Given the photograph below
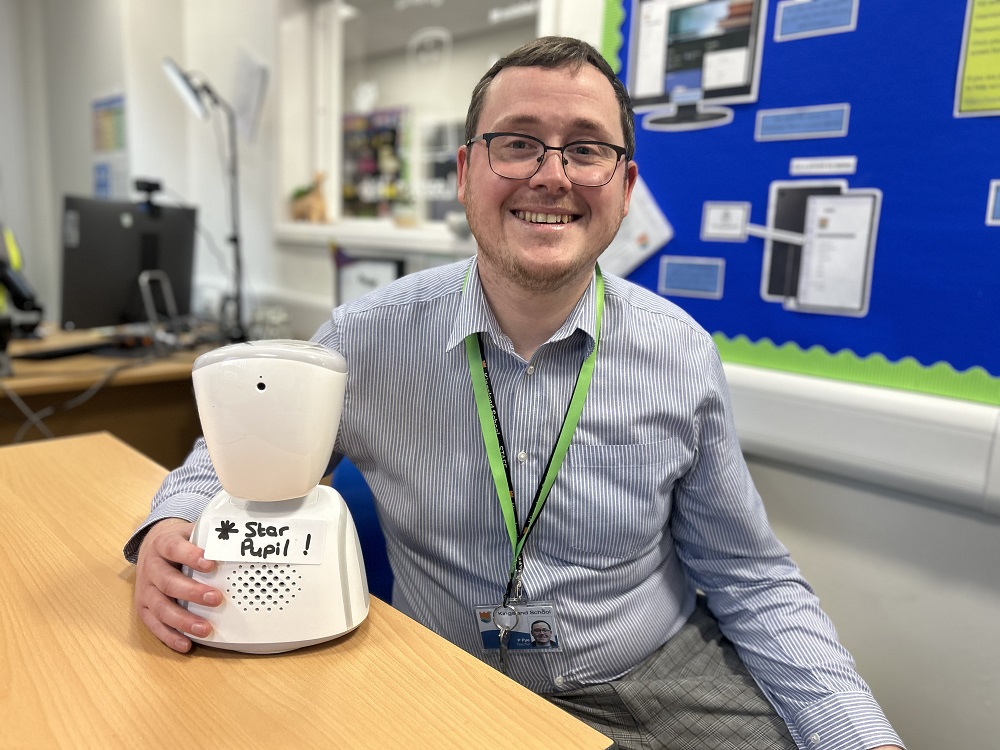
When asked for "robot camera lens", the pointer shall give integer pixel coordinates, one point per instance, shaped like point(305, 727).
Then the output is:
point(261, 386)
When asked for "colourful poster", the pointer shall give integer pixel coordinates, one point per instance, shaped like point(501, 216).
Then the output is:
point(977, 91)
point(110, 159)
point(375, 179)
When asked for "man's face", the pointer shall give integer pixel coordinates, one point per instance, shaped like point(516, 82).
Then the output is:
point(512, 219)
point(541, 632)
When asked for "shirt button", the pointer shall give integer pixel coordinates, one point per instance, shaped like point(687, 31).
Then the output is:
point(531, 370)
point(522, 457)
point(814, 738)
point(560, 681)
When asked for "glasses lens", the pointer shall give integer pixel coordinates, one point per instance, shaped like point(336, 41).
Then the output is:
point(515, 156)
point(589, 163)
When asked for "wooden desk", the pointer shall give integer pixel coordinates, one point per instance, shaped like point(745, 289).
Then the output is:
point(149, 403)
point(78, 669)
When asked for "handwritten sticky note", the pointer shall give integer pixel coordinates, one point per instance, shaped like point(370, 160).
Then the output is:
point(234, 538)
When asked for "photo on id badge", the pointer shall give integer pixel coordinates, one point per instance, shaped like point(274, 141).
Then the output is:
point(536, 628)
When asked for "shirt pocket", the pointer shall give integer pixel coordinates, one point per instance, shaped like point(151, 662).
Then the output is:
point(611, 502)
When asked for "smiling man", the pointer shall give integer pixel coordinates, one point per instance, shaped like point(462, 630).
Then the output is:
point(563, 190)
point(543, 441)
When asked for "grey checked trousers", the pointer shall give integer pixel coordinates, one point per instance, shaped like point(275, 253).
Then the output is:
point(692, 694)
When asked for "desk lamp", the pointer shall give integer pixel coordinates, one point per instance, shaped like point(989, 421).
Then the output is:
point(289, 560)
point(196, 92)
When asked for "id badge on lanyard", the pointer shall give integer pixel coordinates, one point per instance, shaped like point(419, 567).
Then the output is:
point(529, 627)
point(517, 624)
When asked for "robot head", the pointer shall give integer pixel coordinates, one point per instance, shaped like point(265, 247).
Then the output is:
point(270, 411)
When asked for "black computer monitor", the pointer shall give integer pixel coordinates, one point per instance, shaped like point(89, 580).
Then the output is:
point(108, 244)
point(688, 57)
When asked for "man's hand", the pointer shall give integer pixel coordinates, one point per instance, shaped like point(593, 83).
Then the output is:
point(159, 581)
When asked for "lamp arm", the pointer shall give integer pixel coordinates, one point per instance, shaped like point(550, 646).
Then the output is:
point(238, 333)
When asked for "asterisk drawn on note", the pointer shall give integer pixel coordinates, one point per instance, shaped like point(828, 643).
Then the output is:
point(225, 529)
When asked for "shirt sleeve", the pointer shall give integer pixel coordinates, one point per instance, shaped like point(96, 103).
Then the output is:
point(184, 494)
point(755, 590)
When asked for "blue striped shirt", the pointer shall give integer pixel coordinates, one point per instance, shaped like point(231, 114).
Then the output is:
point(652, 503)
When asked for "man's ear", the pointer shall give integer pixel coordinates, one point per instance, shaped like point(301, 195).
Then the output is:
point(631, 175)
point(463, 169)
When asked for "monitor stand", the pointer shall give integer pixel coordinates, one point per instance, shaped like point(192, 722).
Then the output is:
point(688, 117)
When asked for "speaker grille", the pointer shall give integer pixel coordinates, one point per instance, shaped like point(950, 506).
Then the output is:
point(264, 588)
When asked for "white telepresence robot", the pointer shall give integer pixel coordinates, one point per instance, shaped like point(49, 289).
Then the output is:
point(289, 559)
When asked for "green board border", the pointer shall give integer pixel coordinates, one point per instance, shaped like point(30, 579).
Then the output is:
point(611, 33)
point(940, 379)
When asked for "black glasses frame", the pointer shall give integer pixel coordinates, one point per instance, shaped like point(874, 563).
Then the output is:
point(486, 138)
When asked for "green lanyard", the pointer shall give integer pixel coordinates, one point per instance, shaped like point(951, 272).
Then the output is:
point(496, 449)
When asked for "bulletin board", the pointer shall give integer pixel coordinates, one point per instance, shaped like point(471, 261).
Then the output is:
point(845, 223)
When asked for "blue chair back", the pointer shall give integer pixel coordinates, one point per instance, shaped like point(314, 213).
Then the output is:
point(347, 480)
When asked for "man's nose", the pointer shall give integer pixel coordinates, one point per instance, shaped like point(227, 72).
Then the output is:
point(551, 171)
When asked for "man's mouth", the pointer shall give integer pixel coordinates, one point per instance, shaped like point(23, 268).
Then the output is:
point(534, 217)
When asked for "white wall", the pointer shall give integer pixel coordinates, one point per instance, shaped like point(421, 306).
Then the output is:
point(914, 591)
point(14, 158)
point(45, 264)
point(157, 120)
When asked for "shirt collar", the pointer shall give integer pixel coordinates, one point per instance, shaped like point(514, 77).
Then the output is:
point(475, 316)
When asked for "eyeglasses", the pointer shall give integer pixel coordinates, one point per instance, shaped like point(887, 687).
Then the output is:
point(540, 630)
point(518, 157)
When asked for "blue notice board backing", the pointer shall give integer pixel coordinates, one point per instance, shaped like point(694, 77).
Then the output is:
point(867, 249)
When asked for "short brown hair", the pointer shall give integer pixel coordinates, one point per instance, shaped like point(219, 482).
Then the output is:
point(554, 52)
